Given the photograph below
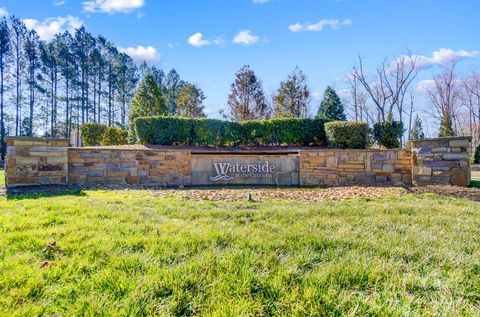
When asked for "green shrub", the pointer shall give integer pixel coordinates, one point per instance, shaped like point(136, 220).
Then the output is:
point(164, 130)
point(209, 132)
point(114, 136)
point(347, 134)
point(95, 134)
point(476, 158)
point(388, 133)
point(92, 133)
point(175, 130)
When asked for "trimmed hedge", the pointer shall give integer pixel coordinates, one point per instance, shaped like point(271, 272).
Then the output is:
point(114, 136)
point(347, 134)
point(208, 132)
point(388, 133)
point(95, 134)
point(92, 133)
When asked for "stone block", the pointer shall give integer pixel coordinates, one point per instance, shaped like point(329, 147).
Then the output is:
point(133, 180)
point(51, 167)
point(459, 143)
point(388, 168)
point(95, 174)
point(143, 173)
point(456, 156)
point(439, 150)
point(379, 157)
point(47, 149)
point(459, 177)
point(57, 160)
point(26, 160)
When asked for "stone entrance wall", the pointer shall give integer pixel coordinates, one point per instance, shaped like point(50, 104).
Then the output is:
point(353, 167)
point(33, 161)
point(441, 161)
point(129, 166)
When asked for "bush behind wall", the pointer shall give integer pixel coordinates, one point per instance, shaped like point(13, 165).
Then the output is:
point(212, 132)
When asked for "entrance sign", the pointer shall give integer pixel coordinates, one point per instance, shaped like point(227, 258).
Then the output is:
point(235, 169)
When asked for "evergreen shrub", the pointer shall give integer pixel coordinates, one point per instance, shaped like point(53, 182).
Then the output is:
point(347, 134)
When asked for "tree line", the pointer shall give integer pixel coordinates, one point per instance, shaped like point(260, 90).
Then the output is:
point(49, 88)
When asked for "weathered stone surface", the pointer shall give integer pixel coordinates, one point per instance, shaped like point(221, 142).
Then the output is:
point(449, 163)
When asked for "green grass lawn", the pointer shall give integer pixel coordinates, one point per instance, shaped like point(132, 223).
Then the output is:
point(131, 253)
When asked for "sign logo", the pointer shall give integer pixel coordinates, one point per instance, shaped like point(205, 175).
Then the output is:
point(254, 170)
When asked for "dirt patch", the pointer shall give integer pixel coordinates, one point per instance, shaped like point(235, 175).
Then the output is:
point(449, 191)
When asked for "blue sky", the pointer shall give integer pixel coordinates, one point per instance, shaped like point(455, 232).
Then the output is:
point(208, 40)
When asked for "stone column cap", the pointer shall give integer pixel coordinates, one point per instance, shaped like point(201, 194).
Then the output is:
point(27, 138)
point(450, 138)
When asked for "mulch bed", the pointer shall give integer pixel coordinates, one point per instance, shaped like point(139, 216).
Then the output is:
point(313, 195)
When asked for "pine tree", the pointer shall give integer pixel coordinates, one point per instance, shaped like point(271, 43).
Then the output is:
point(331, 108)
point(293, 96)
point(147, 101)
point(173, 86)
point(446, 128)
point(33, 64)
point(417, 130)
point(4, 55)
point(190, 102)
point(247, 99)
point(18, 31)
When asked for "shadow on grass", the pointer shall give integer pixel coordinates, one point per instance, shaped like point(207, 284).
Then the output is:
point(20, 193)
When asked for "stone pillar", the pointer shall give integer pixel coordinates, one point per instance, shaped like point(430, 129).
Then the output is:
point(441, 161)
point(36, 161)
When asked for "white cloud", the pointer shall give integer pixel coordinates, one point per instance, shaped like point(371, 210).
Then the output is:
point(50, 26)
point(443, 56)
point(197, 40)
point(260, 1)
point(319, 26)
point(59, 2)
point(245, 37)
point(112, 6)
point(3, 12)
point(141, 53)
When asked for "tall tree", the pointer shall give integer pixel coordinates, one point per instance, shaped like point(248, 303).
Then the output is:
point(147, 101)
point(416, 131)
point(68, 70)
point(389, 85)
point(4, 56)
point(33, 64)
point(331, 108)
point(444, 97)
point(18, 31)
point(293, 97)
point(173, 86)
point(127, 80)
point(49, 55)
point(247, 99)
point(190, 102)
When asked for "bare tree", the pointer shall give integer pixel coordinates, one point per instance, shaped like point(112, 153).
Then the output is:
point(389, 85)
point(445, 96)
point(471, 99)
point(357, 101)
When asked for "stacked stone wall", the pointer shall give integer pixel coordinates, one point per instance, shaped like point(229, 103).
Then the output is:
point(35, 161)
point(127, 166)
point(353, 167)
point(441, 161)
